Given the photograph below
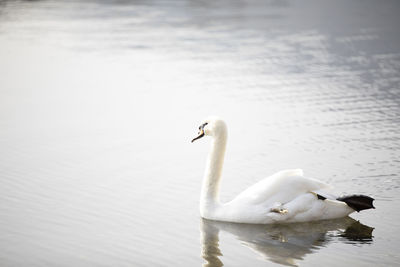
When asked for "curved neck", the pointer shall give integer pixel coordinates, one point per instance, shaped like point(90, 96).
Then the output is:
point(209, 200)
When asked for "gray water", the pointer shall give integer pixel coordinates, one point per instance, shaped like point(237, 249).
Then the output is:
point(99, 101)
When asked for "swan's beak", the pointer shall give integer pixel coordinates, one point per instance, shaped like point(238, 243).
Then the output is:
point(201, 134)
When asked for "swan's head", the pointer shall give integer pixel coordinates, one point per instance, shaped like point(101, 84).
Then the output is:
point(212, 126)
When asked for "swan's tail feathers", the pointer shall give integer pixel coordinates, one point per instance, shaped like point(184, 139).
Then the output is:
point(358, 202)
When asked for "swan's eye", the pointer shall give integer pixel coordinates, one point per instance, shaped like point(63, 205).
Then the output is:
point(201, 127)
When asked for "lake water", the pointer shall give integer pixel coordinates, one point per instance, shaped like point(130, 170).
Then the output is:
point(99, 101)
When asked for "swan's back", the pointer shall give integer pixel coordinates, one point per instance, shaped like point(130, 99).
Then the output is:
point(280, 187)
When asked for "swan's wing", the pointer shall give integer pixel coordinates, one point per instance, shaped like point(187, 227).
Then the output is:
point(280, 187)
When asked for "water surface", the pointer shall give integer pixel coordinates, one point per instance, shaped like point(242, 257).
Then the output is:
point(100, 99)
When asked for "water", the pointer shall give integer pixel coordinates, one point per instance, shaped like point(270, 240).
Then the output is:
point(100, 99)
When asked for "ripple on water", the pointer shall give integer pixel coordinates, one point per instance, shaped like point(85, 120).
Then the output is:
point(98, 98)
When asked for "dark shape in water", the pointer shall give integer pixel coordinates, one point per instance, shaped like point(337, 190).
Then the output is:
point(358, 233)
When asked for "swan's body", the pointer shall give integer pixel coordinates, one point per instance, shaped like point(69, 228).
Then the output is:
point(286, 196)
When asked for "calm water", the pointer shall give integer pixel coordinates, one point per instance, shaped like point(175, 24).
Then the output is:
point(100, 99)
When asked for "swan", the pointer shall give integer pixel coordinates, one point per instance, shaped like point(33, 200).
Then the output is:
point(284, 197)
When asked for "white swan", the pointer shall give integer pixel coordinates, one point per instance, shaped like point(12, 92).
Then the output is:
point(286, 196)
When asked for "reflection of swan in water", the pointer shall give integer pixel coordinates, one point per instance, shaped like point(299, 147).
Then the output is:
point(283, 244)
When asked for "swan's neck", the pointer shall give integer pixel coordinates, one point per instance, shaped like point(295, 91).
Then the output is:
point(209, 200)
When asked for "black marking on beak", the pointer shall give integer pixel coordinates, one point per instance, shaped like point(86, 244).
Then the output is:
point(201, 132)
point(198, 137)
